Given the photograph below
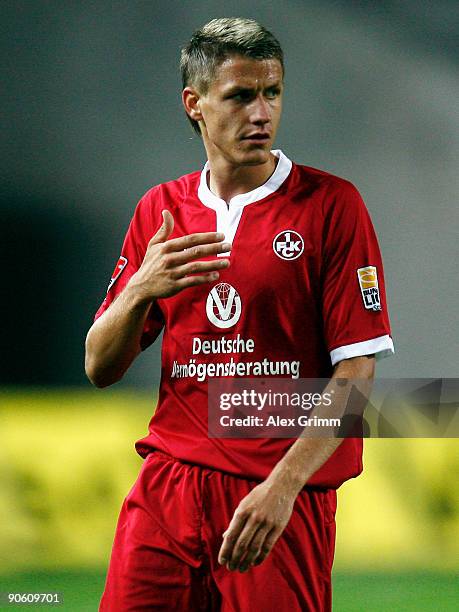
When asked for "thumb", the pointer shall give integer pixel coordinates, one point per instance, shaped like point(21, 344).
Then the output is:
point(165, 230)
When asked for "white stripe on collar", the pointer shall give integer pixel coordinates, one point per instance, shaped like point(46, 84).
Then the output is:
point(284, 165)
point(228, 217)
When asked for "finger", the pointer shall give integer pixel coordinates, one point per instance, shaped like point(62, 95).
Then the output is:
point(192, 240)
point(267, 545)
point(254, 548)
point(198, 252)
point(193, 281)
point(197, 267)
point(165, 230)
point(243, 542)
point(231, 536)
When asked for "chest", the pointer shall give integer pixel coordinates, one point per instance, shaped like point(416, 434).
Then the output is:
point(275, 260)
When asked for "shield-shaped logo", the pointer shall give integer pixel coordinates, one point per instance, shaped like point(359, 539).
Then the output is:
point(223, 307)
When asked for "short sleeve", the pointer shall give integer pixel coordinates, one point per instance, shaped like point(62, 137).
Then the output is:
point(354, 306)
point(140, 231)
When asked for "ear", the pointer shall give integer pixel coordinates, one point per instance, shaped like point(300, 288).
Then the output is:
point(191, 102)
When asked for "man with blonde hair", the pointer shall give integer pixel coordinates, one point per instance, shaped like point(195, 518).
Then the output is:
point(253, 268)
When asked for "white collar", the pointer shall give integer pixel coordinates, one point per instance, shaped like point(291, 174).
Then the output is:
point(284, 165)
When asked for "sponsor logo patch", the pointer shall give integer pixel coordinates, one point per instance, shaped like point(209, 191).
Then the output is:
point(223, 306)
point(122, 262)
point(368, 281)
point(288, 245)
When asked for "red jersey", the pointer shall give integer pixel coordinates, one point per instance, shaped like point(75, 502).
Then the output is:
point(304, 290)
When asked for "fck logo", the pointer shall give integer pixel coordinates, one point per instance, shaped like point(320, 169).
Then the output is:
point(288, 245)
point(223, 306)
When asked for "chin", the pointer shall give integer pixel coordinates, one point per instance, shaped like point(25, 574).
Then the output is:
point(255, 156)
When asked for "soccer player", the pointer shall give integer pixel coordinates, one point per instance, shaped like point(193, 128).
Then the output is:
point(254, 267)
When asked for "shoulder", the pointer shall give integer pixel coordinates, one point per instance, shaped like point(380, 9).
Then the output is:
point(331, 185)
point(334, 195)
point(170, 194)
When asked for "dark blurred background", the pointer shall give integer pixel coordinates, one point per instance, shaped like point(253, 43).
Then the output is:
point(92, 118)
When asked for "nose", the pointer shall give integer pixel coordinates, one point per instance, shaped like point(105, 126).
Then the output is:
point(261, 111)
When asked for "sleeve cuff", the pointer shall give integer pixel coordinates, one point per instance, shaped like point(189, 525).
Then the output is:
point(380, 347)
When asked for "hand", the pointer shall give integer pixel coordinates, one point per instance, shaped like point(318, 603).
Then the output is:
point(258, 522)
point(168, 264)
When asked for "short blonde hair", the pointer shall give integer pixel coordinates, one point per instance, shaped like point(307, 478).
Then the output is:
point(217, 40)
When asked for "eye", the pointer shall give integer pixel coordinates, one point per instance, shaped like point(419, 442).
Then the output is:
point(272, 92)
point(242, 96)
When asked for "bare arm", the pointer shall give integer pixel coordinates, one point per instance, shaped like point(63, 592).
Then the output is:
point(113, 341)
point(262, 515)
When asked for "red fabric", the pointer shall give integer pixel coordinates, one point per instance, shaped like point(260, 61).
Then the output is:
point(170, 531)
point(294, 311)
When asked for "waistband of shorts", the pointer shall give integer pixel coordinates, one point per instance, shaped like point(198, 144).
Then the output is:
point(159, 453)
point(162, 455)
point(155, 452)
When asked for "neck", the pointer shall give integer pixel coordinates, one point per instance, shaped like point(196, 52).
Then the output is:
point(227, 180)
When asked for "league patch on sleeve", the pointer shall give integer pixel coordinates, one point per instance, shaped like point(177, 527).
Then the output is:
point(122, 262)
point(368, 281)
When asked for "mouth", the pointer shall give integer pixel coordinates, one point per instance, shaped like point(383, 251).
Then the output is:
point(257, 137)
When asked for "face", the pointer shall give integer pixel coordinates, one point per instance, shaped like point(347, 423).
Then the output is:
point(240, 113)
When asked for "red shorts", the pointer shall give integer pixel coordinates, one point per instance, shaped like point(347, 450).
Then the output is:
point(169, 533)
